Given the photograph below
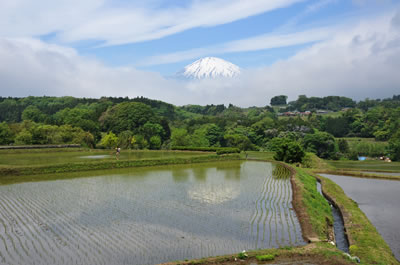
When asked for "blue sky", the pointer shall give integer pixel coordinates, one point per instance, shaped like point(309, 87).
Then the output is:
point(130, 48)
point(299, 16)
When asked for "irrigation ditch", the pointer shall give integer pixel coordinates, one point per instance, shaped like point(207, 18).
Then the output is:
point(340, 235)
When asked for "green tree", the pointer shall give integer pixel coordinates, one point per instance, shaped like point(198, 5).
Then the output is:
point(179, 137)
point(213, 134)
point(155, 142)
point(321, 143)
point(23, 137)
point(275, 143)
point(199, 138)
point(6, 135)
point(140, 142)
point(343, 146)
point(33, 113)
point(290, 152)
point(239, 141)
point(394, 147)
point(109, 140)
point(127, 116)
point(125, 139)
point(150, 129)
point(278, 100)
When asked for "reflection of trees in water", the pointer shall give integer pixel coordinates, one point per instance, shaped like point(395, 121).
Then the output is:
point(231, 171)
point(280, 172)
point(200, 173)
point(180, 175)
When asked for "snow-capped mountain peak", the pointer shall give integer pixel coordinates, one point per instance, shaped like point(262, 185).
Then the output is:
point(209, 67)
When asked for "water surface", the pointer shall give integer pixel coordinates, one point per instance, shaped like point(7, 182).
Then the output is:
point(148, 215)
point(379, 200)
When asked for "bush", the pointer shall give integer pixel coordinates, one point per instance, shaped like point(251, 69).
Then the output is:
point(265, 257)
point(321, 143)
point(109, 140)
point(290, 152)
point(155, 142)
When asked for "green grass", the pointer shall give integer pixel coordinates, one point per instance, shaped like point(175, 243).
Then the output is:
point(259, 155)
point(365, 241)
point(366, 146)
point(32, 157)
point(318, 209)
point(267, 257)
point(369, 165)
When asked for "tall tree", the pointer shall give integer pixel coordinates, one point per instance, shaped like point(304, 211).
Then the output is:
point(278, 100)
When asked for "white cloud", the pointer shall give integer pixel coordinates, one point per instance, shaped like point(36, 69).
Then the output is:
point(262, 42)
point(360, 61)
point(31, 67)
point(136, 21)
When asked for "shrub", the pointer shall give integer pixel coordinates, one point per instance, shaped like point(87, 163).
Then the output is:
point(109, 140)
point(290, 152)
point(265, 257)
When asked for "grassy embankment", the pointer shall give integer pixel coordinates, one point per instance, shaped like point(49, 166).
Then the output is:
point(365, 241)
point(364, 169)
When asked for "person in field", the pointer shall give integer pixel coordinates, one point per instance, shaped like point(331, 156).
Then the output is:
point(117, 153)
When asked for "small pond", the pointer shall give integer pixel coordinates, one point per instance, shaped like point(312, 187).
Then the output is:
point(148, 215)
point(379, 200)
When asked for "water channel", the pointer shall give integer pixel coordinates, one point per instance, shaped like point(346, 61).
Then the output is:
point(148, 215)
point(379, 200)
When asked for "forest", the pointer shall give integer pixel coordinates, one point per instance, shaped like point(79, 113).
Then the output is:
point(332, 127)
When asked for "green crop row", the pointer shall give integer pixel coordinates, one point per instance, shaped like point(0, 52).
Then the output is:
point(218, 150)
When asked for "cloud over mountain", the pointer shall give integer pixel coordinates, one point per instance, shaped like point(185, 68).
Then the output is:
point(360, 61)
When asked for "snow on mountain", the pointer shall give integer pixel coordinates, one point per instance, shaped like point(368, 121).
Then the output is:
point(209, 67)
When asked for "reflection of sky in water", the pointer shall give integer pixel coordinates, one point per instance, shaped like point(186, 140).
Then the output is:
point(213, 194)
point(149, 215)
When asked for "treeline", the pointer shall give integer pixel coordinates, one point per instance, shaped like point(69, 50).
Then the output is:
point(332, 103)
point(151, 124)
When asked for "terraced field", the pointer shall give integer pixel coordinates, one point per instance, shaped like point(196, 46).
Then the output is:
point(148, 215)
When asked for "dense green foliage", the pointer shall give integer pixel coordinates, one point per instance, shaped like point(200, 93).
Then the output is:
point(278, 100)
point(141, 123)
point(290, 152)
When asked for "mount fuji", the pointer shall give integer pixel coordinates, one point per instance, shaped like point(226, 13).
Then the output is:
point(209, 67)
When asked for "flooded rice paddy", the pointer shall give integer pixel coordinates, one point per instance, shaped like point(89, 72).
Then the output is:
point(379, 200)
point(52, 157)
point(148, 215)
